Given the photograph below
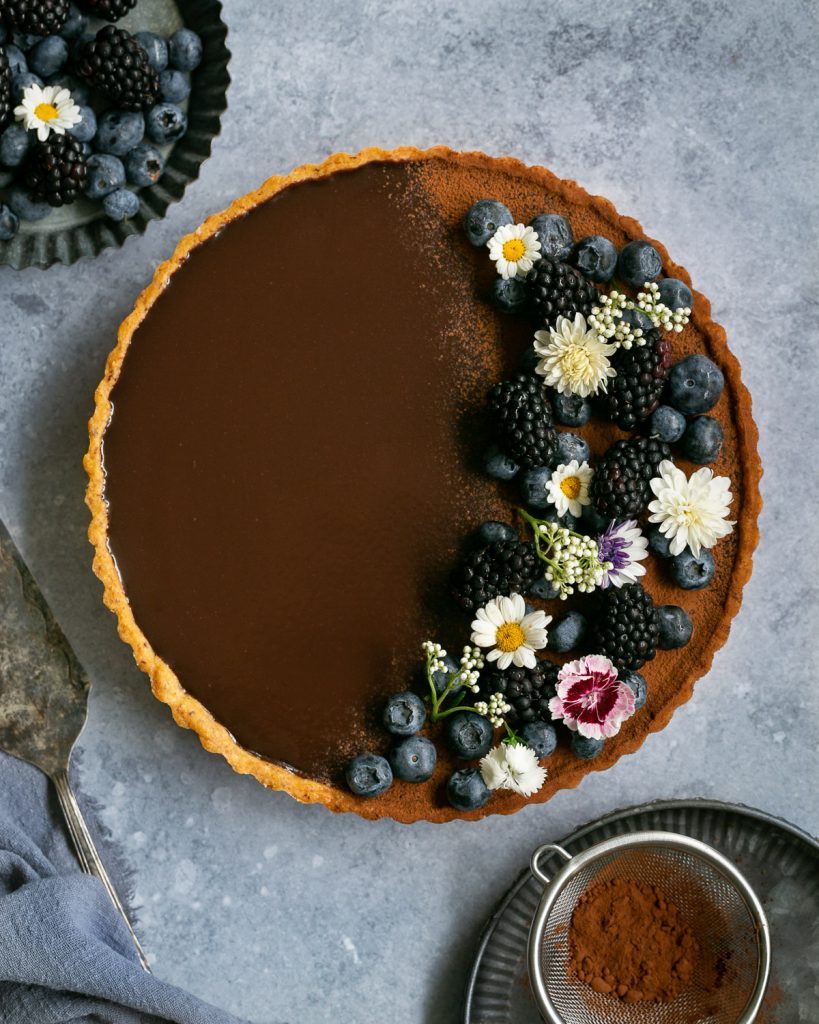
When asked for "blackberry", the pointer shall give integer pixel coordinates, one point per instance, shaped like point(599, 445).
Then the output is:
point(527, 690)
point(56, 170)
point(34, 17)
point(635, 392)
point(108, 10)
point(505, 567)
point(115, 64)
point(620, 485)
point(5, 87)
point(626, 626)
point(523, 420)
point(557, 289)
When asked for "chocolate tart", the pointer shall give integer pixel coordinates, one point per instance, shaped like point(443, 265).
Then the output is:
point(284, 461)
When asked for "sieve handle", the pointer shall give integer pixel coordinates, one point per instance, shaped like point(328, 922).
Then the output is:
point(534, 864)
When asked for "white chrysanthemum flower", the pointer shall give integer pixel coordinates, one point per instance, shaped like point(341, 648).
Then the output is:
point(568, 490)
point(690, 510)
point(47, 109)
point(573, 358)
point(514, 767)
point(621, 548)
point(514, 249)
point(514, 636)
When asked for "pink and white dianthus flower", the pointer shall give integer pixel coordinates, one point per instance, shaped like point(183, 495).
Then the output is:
point(591, 699)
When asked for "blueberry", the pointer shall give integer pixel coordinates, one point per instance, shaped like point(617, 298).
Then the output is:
point(695, 384)
point(484, 218)
point(567, 632)
point(498, 465)
point(6, 177)
point(567, 519)
point(87, 128)
point(156, 49)
point(667, 424)
point(75, 24)
point(492, 531)
point(404, 714)
point(441, 679)
point(702, 440)
point(121, 205)
point(675, 294)
point(638, 262)
point(543, 589)
point(27, 40)
point(185, 50)
point(466, 790)
point(571, 447)
point(79, 90)
point(166, 123)
point(14, 143)
point(595, 257)
point(540, 736)
point(3, 33)
point(509, 294)
point(369, 775)
point(555, 234)
point(585, 746)
point(468, 734)
point(638, 686)
point(675, 625)
point(572, 410)
point(106, 174)
point(21, 82)
point(24, 207)
point(692, 572)
point(48, 56)
point(658, 542)
point(144, 165)
point(118, 131)
point(595, 521)
point(9, 223)
point(529, 360)
point(533, 486)
point(413, 759)
point(636, 318)
point(17, 60)
point(174, 86)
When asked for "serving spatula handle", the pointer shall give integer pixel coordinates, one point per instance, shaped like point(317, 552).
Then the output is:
point(87, 852)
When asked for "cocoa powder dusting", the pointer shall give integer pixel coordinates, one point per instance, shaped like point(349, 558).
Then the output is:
point(627, 940)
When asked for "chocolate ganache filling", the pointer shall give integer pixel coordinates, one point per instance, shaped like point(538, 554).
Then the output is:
point(288, 463)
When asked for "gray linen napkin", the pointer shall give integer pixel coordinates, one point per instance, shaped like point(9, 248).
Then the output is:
point(65, 955)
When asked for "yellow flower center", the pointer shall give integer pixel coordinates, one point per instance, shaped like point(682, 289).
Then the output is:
point(570, 486)
point(513, 250)
point(45, 111)
point(509, 637)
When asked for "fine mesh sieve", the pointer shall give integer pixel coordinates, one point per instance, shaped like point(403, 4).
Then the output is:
point(714, 899)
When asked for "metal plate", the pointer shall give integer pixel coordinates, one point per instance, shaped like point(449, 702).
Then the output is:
point(779, 861)
point(82, 229)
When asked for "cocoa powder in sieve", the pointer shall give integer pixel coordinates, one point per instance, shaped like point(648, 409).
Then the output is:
point(627, 940)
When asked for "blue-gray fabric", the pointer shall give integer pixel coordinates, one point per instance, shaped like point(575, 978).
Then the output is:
point(65, 954)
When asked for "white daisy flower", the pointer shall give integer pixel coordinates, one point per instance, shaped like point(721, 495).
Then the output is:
point(514, 636)
point(514, 767)
point(47, 109)
point(573, 358)
point(691, 511)
point(514, 249)
point(621, 548)
point(568, 490)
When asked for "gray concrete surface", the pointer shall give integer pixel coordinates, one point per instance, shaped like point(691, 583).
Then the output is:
point(696, 118)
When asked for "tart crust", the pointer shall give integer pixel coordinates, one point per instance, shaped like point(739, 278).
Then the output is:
point(191, 714)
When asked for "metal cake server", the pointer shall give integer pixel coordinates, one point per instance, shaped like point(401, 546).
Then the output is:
point(44, 700)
